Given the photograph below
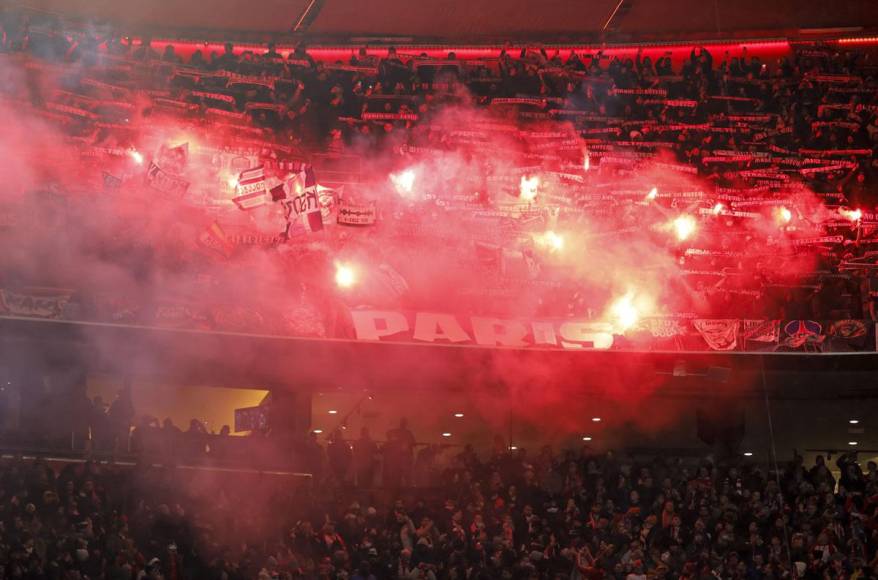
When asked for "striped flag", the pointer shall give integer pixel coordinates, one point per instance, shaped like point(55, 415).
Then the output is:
point(250, 200)
point(310, 178)
point(251, 180)
point(312, 217)
point(251, 189)
point(304, 202)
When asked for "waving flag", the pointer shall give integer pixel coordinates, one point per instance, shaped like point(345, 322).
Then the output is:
point(278, 192)
point(164, 182)
point(111, 182)
point(251, 180)
point(326, 198)
point(174, 159)
point(251, 187)
point(214, 239)
point(250, 200)
point(307, 205)
point(313, 218)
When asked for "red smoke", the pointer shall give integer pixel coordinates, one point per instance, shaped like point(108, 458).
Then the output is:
point(621, 242)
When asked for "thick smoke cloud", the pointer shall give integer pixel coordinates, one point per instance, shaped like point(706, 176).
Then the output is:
point(444, 202)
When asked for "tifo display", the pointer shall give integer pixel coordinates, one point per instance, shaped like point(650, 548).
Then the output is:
point(714, 202)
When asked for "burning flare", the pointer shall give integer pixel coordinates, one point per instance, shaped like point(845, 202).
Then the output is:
point(549, 240)
point(528, 187)
point(345, 276)
point(854, 215)
point(653, 193)
point(718, 209)
point(136, 156)
point(684, 226)
point(782, 215)
point(404, 182)
point(624, 312)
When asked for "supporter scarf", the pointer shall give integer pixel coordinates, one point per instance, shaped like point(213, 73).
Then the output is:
point(712, 253)
point(390, 116)
point(728, 158)
point(827, 168)
point(729, 213)
point(836, 152)
point(731, 98)
point(214, 96)
point(364, 70)
point(825, 78)
point(751, 118)
point(537, 101)
point(818, 240)
point(72, 111)
point(844, 124)
point(678, 168)
point(678, 103)
point(655, 92)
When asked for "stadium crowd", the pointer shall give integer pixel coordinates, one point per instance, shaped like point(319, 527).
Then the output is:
point(753, 130)
point(820, 97)
point(579, 514)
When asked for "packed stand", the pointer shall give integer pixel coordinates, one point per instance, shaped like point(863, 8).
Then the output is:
point(580, 514)
point(750, 129)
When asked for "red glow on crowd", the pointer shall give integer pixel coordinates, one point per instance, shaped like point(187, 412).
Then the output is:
point(330, 54)
point(397, 185)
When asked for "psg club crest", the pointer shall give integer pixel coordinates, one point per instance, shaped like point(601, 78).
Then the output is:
point(803, 328)
point(801, 332)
